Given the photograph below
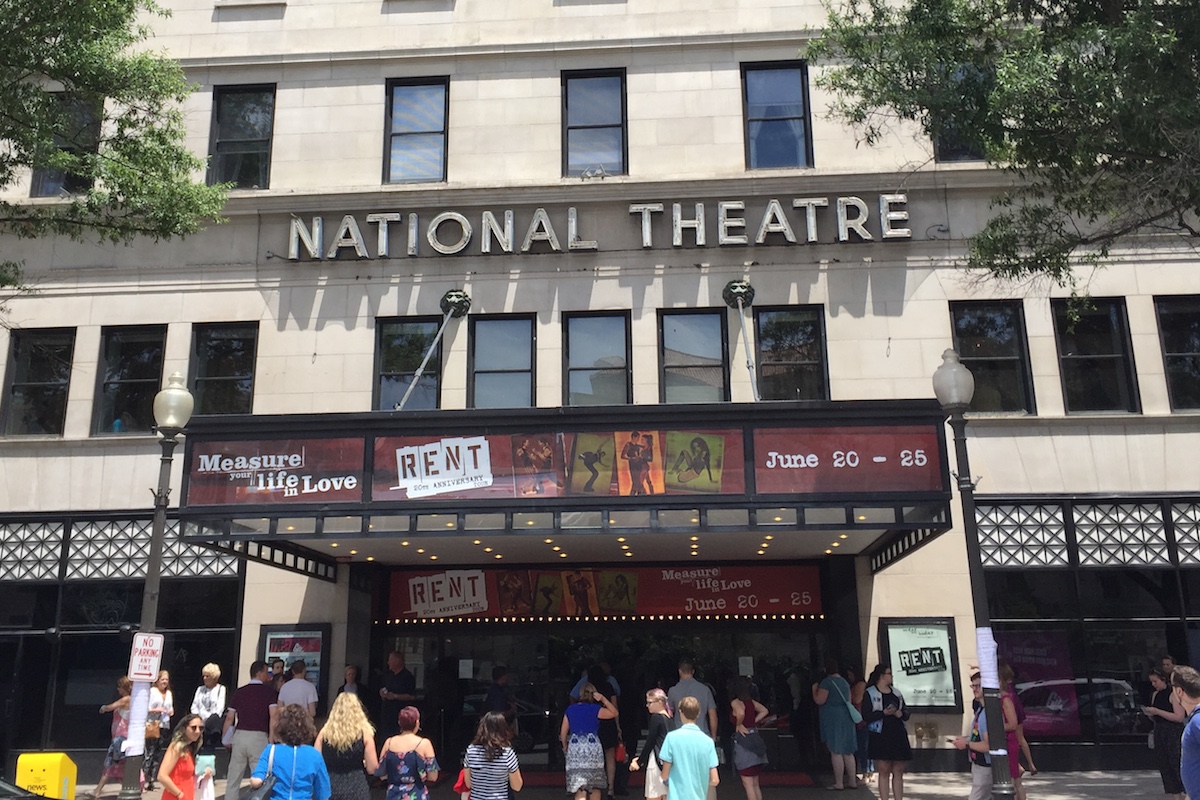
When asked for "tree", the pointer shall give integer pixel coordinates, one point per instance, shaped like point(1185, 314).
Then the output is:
point(1091, 105)
point(97, 117)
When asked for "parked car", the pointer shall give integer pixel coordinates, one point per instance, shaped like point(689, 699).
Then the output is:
point(532, 725)
point(1058, 707)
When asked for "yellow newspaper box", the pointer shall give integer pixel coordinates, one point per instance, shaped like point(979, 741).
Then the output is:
point(49, 774)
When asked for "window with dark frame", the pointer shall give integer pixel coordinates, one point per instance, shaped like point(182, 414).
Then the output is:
point(502, 362)
point(594, 123)
point(776, 108)
point(790, 353)
point(1095, 356)
point(131, 364)
point(990, 339)
point(223, 357)
point(243, 124)
point(1179, 327)
point(597, 356)
point(694, 356)
point(39, 372)
point(401, 345)
point(63, 170)
point(955, 140)
point(417, 125)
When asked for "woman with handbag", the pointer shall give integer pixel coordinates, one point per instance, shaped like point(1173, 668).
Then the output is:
point(749, 749)
point(158, 721)
point(838, 718)
point(408, 761)
point(347, 743)
point(177, 773)
point(292, 769)
point(114, 759)
point(490, 767)
point(660, 723)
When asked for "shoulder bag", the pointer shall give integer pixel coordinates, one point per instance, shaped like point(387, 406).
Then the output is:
point(855, 715)
point(264, 791)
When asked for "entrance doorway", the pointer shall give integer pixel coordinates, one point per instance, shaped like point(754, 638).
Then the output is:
point(453, 666)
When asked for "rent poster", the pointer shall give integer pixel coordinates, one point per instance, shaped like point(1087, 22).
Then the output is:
point(922, 655)
point(695, 462)
point(639, 466)
point(593, 464)
point(293, 646)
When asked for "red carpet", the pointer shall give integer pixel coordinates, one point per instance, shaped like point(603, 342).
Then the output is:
point(771, 778)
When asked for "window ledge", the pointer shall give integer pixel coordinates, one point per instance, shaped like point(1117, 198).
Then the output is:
point(1178, 419)
point(247, 3)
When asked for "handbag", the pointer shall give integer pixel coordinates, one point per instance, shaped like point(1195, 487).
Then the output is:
point(620, 754)
point(460, 785)
point(855, 715)
point(264, 790)
point(153, 728)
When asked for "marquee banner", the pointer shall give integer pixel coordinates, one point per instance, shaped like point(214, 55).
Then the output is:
point(275, 471)
point(895, 458)
point(605, 592)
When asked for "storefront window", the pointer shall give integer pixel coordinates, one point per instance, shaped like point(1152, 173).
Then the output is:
point(1031, 594)
point(1051, 680)
point(1124, 593)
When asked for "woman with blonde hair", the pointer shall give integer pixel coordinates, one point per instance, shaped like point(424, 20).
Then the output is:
point(162, 708)
point(580, 738)
point(347, 743)
point(660, 716)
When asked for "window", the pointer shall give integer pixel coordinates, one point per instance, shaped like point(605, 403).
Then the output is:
point(1179, 324)
point(1095, 357)
point(957, 138)
point(402, 346)
point(77, 138)
point(594, 123)
point(38, 373)
point(502, 360)
point(776, 98)
point(131, 361)
point(243, 120)
point(990, 340)
point(597, 355)
point(418, 117)
point(694, 357)
point(223, 368)
point(791, 353)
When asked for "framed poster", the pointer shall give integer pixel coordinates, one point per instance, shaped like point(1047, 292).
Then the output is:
point(924, 658)
point(307, 642)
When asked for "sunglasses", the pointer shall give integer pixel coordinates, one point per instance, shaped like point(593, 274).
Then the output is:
point(195, 727)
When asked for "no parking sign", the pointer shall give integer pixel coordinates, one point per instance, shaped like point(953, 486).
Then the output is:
point(145, 657)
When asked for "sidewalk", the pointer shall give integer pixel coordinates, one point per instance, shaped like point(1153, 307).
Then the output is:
point(917, 786)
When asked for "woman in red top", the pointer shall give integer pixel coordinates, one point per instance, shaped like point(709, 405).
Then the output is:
point(177, 773)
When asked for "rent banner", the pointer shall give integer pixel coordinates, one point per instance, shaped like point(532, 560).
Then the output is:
point(276, 471)
point(700, 591)
point(896, 458)
point(924, 658)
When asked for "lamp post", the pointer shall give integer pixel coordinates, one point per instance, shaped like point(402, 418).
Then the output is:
point(172, 410)
point(954, 386)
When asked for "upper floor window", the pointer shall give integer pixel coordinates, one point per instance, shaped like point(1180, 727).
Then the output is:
point(131, 362)
point(777, 128)
point(694, 356)
point(418, 118)
point(502, 362)
point(594, 119)
point(597, 360)
point(402, 344)
point(791, 353)
point(1179, 322)
point(1095, 356)
point(76, 138)
point(990, 340)
point(243, 122)
point(223, 367)
point(954, 140)
point(39, 370)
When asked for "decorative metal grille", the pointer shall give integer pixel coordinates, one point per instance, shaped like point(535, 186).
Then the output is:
point(1121, 533)
point(121, 548)
point(900, 547)
point(30, 552)
point(1022, 535)
point(299, 560)
point(1186, 518)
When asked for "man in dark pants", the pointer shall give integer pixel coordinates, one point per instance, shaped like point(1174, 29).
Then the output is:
point(399, 690)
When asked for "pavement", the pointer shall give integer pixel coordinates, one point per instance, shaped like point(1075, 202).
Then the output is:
point(1132, 785)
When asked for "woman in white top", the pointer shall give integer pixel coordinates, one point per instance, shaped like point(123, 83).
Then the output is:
point(208, 703)
point(162, 708)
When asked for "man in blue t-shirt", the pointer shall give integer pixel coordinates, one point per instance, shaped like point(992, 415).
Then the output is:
point(689, 757)
point(977, 747)
point(1185, 683)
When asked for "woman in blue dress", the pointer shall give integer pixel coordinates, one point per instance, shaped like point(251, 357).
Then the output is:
point(580, 737)
point(838, 732)
point(298, 768)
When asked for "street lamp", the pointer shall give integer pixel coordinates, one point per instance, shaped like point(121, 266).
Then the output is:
point(172, 410)
point(954, 386)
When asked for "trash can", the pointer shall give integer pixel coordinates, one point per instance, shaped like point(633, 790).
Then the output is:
point(49, 774)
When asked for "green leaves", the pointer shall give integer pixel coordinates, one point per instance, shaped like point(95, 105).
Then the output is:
point(126, 173)
point(1090, 105)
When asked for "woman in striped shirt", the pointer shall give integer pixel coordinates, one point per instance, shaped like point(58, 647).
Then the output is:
point(490, 766)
